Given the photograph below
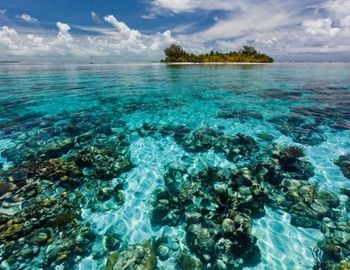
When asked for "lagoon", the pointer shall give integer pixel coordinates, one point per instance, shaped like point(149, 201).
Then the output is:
point(174, 167)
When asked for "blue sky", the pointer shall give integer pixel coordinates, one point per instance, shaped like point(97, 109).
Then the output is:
point(131, 29)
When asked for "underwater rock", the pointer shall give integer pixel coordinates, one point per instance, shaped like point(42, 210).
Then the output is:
point(200, 240)
point(167, 247)
point(104, 164)
point(205, 201)
point(105, 194)
point(327, 198)
point(111, 241)
point(202, 139)
point(49, 223)
point(193, 217)
point(335, 245)
point(40, 217)
point(228, 225)
point(58, 169)
point(240, 114)
point(283, 185)
point(289, 158)
point(286, 162)
point(307, 203)
point(344, 163)
point(12, 231)
point(138, 257)
point(189, 262)
point(40, 238)
point(188, 190)
point(163, 252)
point(174, 176)
point(272, 93)
point(27, 252)
point(241, 146)
point(148, 129)
point(300, 129)
point(4, 188)
point(265, 136)
point(166, 209)
point(111, 260)
point(56, 150)
point(235, 147)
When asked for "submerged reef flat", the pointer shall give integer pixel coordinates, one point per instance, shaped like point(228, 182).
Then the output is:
point(41, 194)
point(158, 167)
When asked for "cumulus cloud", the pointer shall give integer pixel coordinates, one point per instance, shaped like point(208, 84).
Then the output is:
point(278, 28)
point(127, 39)
point(321, 27)
point(7, 37)
point(27, 18)
point(119, 40)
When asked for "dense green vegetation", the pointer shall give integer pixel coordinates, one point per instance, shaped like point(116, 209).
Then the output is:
point(247, 54)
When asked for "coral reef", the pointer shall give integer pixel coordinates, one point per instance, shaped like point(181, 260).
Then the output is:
point(41, 193)
point(216, 205)
point(137, 257)
point(300, 129)
point(240, 114)
point(344, 163)
point(216, 232)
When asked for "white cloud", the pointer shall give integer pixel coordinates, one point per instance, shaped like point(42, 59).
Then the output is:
point(63, 32)
point(9, 40)
point(123, 29)
point(149, 16)
point(278, 28)
point(7, 33)
point(177, 6)
point(27, 18)
point(338, 8)
point(2, 11)
point(119, 40)
point(185, 6)
point(95, 17)
point(320, 27)
point(346, 21)
point(63, 28)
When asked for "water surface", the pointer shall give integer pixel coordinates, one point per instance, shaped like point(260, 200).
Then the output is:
point(200, 167)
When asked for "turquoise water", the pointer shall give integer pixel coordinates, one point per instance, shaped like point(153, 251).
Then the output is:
point(174, 167)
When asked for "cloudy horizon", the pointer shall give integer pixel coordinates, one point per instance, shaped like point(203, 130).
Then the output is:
point(293, 30)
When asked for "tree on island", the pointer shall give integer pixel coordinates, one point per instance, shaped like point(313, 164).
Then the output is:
point(249, 54)
point(175, 53)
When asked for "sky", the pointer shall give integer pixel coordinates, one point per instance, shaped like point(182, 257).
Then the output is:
point(292, 30)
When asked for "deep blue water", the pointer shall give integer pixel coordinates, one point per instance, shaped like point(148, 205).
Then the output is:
point(199, 166)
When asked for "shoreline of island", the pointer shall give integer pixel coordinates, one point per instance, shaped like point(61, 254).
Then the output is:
point(212, 63)
point(176, 55)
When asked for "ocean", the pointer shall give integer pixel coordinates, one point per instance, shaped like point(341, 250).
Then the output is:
point(152, 166)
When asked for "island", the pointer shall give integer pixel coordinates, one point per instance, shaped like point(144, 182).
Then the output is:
point(248, 54)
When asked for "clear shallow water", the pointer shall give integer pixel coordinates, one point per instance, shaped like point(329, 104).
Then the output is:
point(138, 107)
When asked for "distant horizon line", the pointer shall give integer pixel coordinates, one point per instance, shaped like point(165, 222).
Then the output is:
point(147, 62)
